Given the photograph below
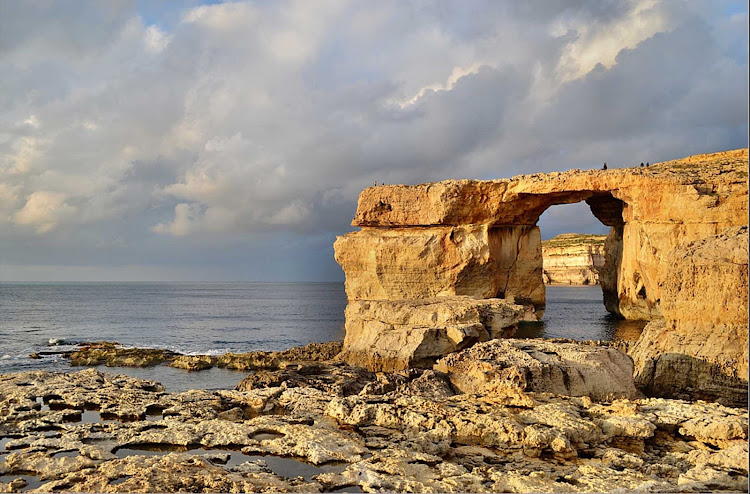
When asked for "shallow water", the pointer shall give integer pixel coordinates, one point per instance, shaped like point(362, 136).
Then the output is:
point(3, 442)
point(578, 312)
point(32, 482)
point(178, 380)
point(284, 467)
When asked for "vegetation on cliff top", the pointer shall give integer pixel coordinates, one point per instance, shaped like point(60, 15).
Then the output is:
point(574, 239)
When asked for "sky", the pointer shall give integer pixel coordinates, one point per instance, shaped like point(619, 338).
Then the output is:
point(228, 141)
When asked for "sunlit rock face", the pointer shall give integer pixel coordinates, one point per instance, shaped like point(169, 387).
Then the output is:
point(402, 334)
point(700, 349)
point(479, 261)
point(463, 237)
point(479, 237)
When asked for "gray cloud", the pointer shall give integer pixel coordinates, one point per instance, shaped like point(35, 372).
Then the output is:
point(231, 140)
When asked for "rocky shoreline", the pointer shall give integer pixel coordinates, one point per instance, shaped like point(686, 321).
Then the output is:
point(304, 421)
point(428, 392)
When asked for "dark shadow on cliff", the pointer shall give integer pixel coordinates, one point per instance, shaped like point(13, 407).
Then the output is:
point(680, 376)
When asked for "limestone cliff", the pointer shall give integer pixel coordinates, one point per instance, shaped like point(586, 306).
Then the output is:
point(700, 348)
point(573, 259)
point(478, 238)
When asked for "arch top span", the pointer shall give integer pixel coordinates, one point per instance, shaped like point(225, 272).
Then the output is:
point(517, 201)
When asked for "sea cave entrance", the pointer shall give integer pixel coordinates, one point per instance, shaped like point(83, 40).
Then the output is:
point(580, 268)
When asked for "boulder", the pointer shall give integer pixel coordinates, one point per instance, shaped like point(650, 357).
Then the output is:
point(193, 362)
point(503, 367)
point(385, 335)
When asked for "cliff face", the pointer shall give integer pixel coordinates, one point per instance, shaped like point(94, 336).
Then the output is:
point(700, 349)
point(479, 261)
point(480, 239)
point(573, 259)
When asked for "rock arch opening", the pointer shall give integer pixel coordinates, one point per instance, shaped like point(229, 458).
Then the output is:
point(516, 249)
point(573, 240)
point(609, 211)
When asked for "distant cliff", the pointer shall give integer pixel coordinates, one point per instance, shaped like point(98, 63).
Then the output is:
point(573, 259)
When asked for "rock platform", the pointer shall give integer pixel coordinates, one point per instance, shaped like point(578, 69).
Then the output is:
point(325, 426)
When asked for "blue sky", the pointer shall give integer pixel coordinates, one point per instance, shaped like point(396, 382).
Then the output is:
point(161, 140)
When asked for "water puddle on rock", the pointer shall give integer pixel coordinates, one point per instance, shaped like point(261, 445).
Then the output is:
point(3, 442)
point(43, 406)
point(31, 481)
point(66, 454)
point(349, 488)
point(119, 480)
point(93, 417)
point(262, 436)
point(283, 467)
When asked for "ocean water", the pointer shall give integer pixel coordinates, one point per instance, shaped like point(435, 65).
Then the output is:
point(214, 318)
point(577, 312)
point(205, 318)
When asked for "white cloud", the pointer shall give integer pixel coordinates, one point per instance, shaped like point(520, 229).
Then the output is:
point(599, 43)
point(32, 122)
point(456, 74)
point(227, 16)
point(44, 210)
point(156, 39)
point(292, 214)
point(22, 155)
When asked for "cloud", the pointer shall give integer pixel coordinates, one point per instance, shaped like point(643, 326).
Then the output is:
point(182, 224)
point(456, 74)
point(44, 210)
point(156, 39)
point(242, 119)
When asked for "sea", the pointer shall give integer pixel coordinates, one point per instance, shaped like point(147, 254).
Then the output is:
point(215, 318)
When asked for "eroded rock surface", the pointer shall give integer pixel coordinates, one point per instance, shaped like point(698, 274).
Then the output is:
point(499, 367)
point(90, 431)
point(113, 354)
point(700, 349)
point(396, 335)
point(479, 238)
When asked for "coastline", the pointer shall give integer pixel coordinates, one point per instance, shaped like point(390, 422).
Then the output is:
point(324, 426)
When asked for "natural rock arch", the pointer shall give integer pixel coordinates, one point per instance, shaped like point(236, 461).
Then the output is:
point(421, 246)
point(479, 238)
